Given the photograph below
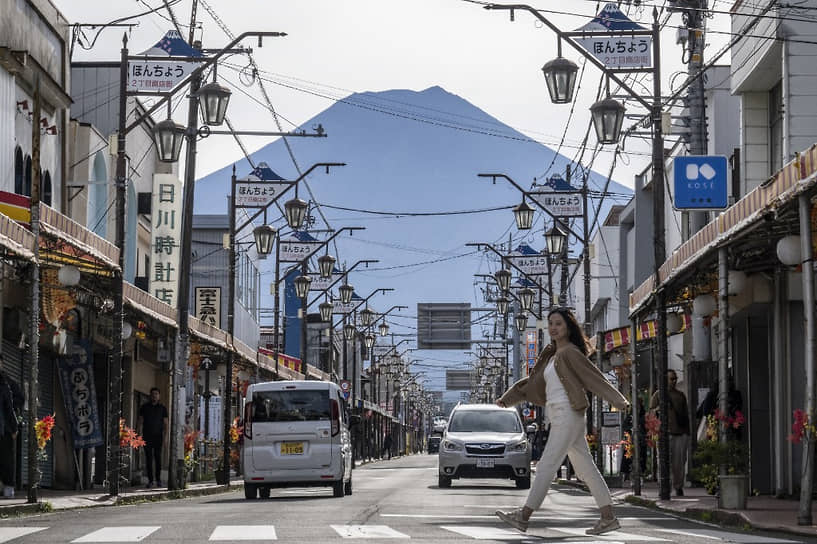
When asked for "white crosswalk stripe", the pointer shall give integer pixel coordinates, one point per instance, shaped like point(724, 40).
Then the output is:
point(368, 531)
point(10, 533)
point(244, 532)
point(480, 532)
point(726, 536)
point(118, 534)
point(611, 536)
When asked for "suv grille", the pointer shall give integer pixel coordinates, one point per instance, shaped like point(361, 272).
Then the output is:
point(485, 449)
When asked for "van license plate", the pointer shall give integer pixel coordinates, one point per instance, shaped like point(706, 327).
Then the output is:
point(292, 448)
point(485, 463)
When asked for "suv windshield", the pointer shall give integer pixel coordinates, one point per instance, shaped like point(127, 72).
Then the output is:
point(484, 421)
point(304, 405)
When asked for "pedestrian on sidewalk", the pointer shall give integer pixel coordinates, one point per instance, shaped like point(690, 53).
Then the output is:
point(560, 381)
point(386, 445)
point(678, 427)
point(11, 403)
point(152, 426)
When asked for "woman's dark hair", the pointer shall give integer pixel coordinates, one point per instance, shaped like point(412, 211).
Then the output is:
point(575, 334)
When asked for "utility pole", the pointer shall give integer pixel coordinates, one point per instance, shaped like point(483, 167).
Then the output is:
point(695, 18)
point(115, 362)
point(34, 307)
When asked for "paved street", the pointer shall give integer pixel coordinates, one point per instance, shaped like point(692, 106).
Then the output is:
point(394, 499)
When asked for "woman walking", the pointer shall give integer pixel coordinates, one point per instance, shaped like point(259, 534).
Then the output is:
point(560, 380)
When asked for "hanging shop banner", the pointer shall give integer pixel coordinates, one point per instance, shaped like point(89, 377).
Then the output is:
point(532, 265)
point(322, 284)
point(293, 250)
point(560, 203)
point(339, 307)
point(162, 75)
point(208, 305)
point(166, 237)
point(257, 194)
point(618, 50)
point(531, 351)
point(77, 380)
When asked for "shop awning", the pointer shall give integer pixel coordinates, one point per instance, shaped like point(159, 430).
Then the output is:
point(148, 305)
point(619, 337)
point(208, 333)
point(75, 244)
point(796, 177)
point(16, 238)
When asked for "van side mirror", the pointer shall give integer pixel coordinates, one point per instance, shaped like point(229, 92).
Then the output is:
point(354, 419)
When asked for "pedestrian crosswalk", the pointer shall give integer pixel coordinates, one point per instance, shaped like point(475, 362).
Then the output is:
point(451, 529)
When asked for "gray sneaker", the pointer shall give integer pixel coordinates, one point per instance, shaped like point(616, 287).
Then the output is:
point(514, 519)
point(604, 526)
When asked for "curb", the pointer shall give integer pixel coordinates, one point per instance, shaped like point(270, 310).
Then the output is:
point(178, 494)
point(45, 506)
point(735, 520)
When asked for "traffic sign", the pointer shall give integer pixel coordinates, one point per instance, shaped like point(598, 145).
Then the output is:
point(526, 412)
point(701, 182)
point(207, 364)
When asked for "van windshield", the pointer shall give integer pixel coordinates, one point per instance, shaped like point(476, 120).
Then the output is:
point(484, 421)
point(303, 405)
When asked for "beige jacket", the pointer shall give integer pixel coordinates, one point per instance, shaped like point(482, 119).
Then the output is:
point(577, 373)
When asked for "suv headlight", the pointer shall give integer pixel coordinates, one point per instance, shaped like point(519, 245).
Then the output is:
point(519, 446)
point(452, 446)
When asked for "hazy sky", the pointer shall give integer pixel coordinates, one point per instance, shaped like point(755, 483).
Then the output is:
point(338, 47)
point(335, 47)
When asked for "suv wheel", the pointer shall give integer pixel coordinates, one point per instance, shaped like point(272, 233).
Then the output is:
point(347, 488)
point(250, 491)
point(444, 481)
point(263, 492)
point(523, 483)
point(337, 488)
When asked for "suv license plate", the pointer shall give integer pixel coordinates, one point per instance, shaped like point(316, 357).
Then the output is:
point(485, 463)
point(292, 448)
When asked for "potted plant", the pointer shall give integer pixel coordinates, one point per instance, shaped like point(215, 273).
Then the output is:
point(723, 465)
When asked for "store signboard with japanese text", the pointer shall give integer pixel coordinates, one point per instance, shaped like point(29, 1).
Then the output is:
point(322, 284)
point(208, 305)
point(531, 348)
point(257, 194)
point(532, 265)
point(338, 307)
point(620, 51)
point(152, 75)
point(613, 41)
point(166, 225)
point(76, 371)
point(560, 203)
point(293, 251)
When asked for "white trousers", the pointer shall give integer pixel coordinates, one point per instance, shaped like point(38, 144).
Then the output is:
point(567, 437)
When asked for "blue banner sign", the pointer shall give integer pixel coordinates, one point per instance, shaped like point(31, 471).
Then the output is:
point(700, 182)
point(79, 393)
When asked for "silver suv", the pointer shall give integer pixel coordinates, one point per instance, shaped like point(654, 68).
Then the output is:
point(484, 441)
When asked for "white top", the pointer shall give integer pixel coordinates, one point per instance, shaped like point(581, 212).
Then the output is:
point(555, 391)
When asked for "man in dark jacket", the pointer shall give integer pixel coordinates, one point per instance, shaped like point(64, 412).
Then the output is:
point(678, 426)
point(10, 403)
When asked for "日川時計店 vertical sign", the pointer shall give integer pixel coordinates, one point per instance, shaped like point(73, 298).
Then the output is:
point(166, 223)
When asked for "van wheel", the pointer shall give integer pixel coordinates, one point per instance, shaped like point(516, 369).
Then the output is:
point(337, 488)
point(250, 491)
point(523, 483)
point(263, 492)
point(444, 481)
point(347, 488)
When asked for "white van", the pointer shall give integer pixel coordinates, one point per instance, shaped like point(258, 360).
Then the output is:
point(296, 435)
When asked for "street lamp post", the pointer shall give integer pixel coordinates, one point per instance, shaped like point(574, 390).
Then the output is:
point(607, 117)
point(168, 139)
